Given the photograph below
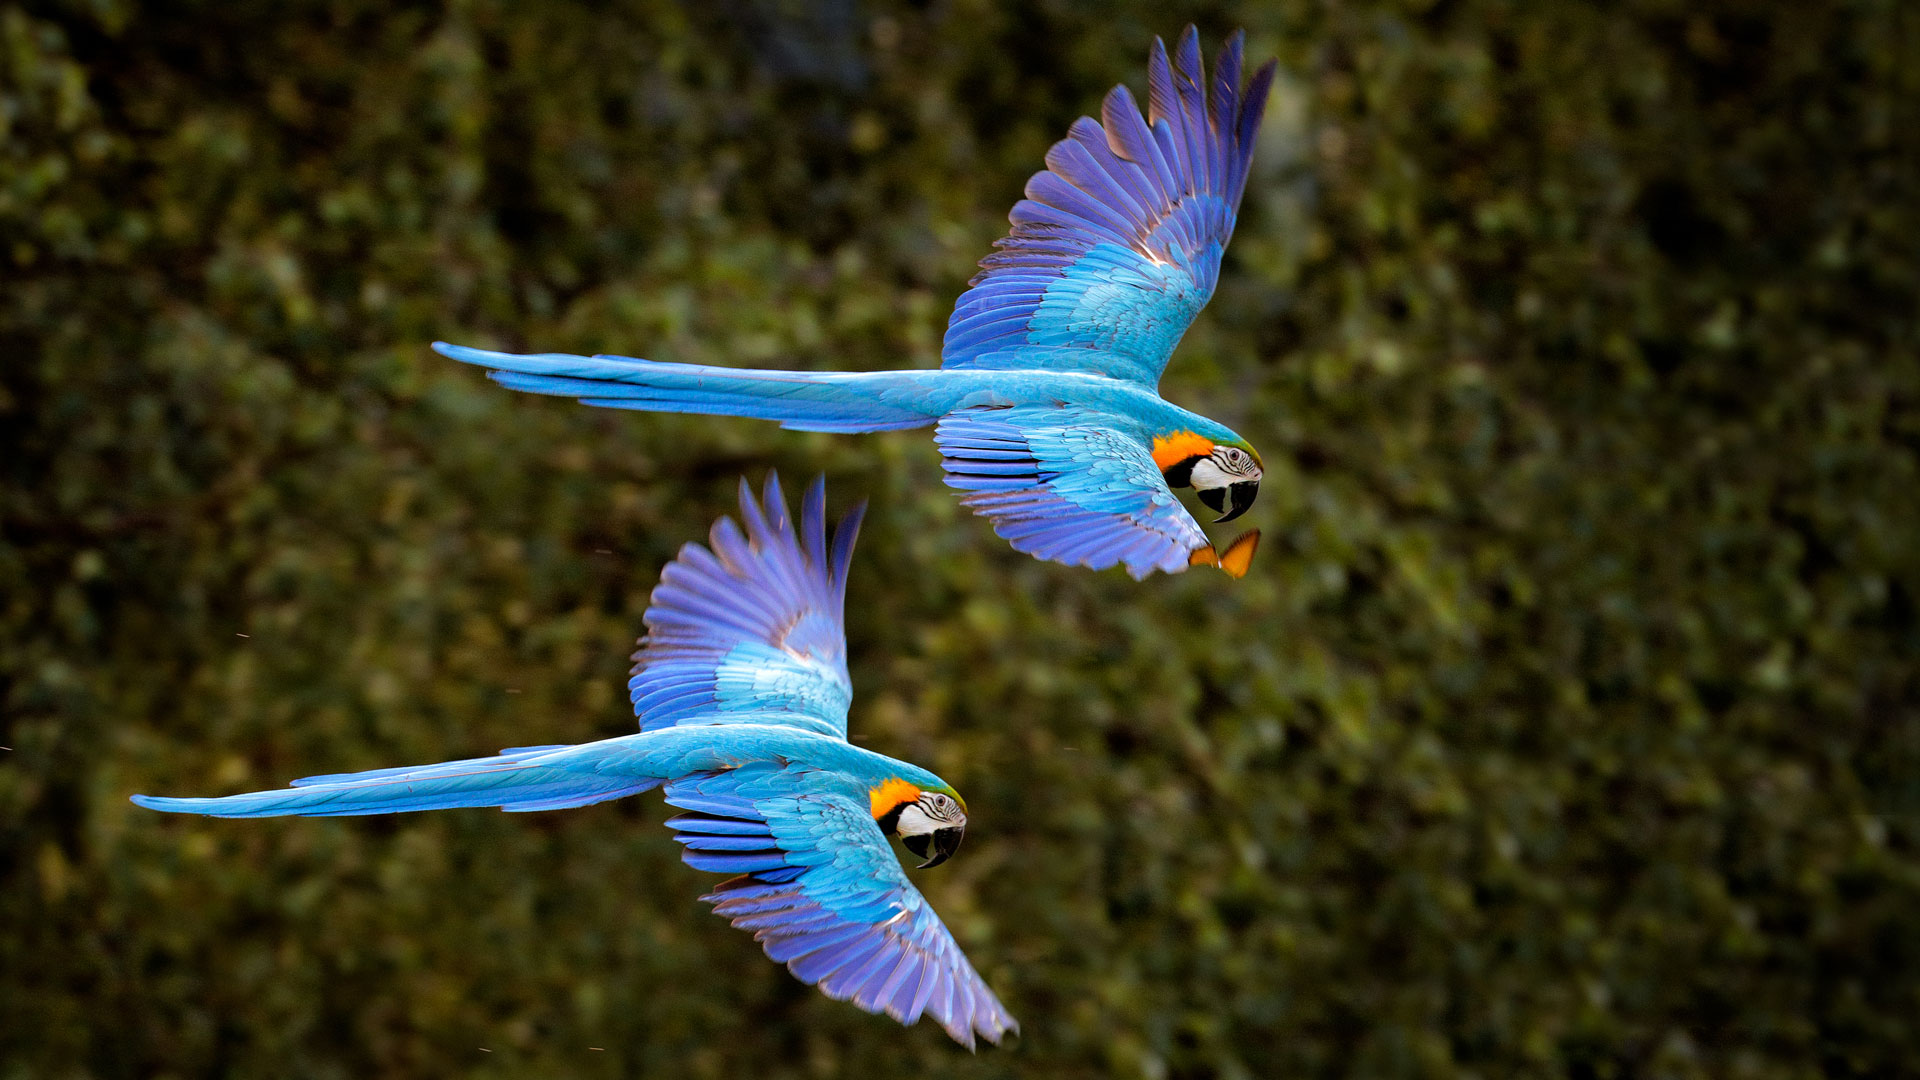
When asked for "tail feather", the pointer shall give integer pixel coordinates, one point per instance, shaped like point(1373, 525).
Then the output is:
point(517, 780)
point(836, 401)
point(401, 770)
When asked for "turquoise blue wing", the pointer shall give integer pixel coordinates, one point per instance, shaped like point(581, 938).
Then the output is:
point(750, 628)
point(1117, 245)
point(1063, 484)
point(820, 889)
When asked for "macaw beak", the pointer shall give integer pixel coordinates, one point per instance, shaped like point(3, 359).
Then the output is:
point(1242, 494)
point(944, 843)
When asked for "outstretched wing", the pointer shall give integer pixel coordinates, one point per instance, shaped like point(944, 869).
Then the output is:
point(821, 891)
point(1061, 483)
point(1117, 245)
point(751, 628)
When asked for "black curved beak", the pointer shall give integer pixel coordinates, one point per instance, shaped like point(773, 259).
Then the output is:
point(944, 843)
point(1242, 495)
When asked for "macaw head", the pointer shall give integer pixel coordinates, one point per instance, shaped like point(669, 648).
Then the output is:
point(924, 820)
point(1225, 475)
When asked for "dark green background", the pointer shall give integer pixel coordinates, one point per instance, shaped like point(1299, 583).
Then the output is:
point(1568, 724)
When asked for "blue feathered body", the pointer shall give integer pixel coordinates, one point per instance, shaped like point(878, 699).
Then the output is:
point(839, 401)
point(741, 689)
point(1047, 397)
point(557, 777)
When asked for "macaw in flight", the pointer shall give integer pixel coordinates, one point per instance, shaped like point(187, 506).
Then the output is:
point(1046, 406)
point(741, 688)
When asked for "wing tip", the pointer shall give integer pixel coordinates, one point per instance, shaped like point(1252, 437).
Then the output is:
point(845, 535)
point(1235, 560)
point(774, 501)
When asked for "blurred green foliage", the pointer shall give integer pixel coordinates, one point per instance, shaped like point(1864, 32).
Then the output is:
point(1569, 724)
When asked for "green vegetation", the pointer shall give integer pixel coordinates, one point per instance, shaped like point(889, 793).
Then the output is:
point(1568, 725)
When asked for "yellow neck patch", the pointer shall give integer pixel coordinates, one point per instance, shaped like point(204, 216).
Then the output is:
point(1171, 450)
point(889, 794)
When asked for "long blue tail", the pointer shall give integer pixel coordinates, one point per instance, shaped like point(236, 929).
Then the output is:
point(518, 779)
point(839, 401)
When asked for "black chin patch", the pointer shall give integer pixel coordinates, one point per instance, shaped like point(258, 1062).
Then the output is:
point(918, 843)
point(1214, 498)
point(1180, 474)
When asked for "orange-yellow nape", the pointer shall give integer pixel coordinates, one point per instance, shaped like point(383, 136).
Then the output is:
point(889, 794)
point(1172, 449)
point(1235, 560)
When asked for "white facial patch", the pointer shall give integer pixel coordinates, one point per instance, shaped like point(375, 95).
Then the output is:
point(914, 821)
point(930, 813)
point(1207, 474)
point(1226, 465)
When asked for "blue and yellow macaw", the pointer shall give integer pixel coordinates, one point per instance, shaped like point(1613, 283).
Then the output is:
point(1046, 406)
point(742, 692)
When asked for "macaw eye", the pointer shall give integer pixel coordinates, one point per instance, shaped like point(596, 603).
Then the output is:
point(1234, 460)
